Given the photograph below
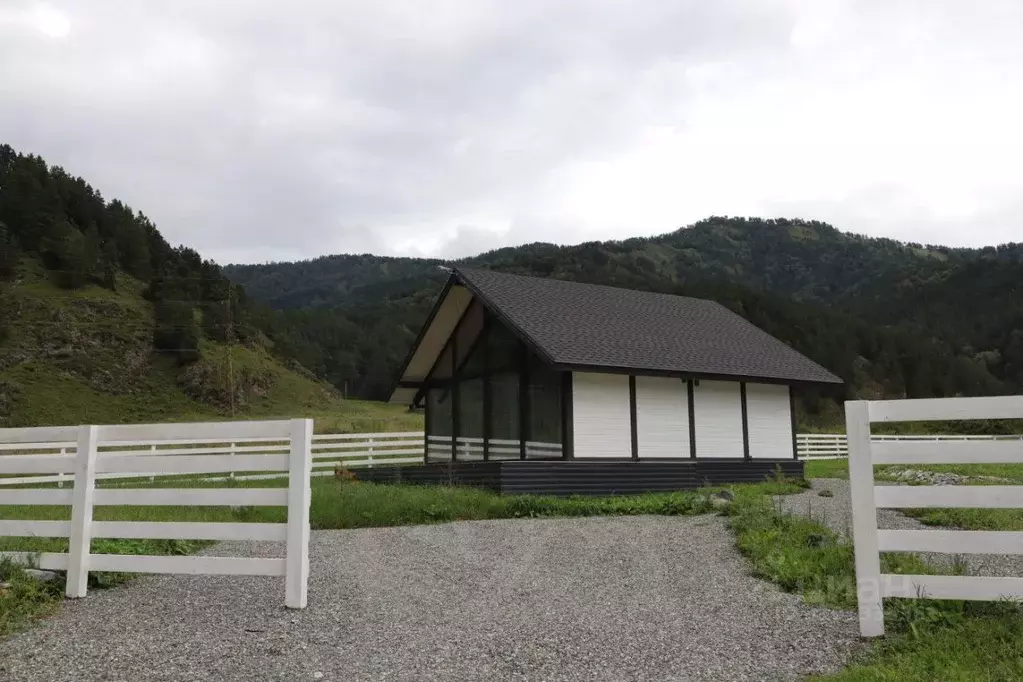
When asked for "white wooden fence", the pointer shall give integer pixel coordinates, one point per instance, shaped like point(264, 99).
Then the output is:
point(864, 452)
point(133, 451)
point(834, 445)
point(328, 450)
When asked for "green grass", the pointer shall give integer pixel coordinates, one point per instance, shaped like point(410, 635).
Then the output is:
point(826, 468)
point(926, 640)
point(24, 599)
point(801, 555)
point(970, 519)
point(946, 642)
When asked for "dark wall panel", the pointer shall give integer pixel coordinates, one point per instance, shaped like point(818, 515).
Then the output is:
point(476, 474)
point(585, 477)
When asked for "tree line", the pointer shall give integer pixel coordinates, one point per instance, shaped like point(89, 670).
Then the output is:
point(82, 239)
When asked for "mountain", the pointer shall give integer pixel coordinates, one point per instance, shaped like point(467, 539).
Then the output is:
point(893, 319)
point(102, 321)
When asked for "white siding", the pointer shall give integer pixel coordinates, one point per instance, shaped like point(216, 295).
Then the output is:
point(600, 415)
point(770, 422)
point(718, 411)
point(662, 417)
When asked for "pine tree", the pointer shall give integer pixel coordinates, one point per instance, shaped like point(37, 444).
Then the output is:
point(10, 255)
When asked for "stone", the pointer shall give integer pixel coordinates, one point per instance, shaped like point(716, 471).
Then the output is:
point(40, 575)
point(722, 499)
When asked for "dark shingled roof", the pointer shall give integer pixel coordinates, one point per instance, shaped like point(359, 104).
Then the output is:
point(571, 323)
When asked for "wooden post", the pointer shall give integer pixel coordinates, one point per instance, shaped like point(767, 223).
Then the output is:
point(299, 496)
point(370, 456)
point(80, 537)
point(864, 518)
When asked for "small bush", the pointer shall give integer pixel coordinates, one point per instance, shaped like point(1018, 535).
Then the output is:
point(24, 599)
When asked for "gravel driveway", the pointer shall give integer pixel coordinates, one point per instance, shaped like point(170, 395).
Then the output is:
point(630, 598)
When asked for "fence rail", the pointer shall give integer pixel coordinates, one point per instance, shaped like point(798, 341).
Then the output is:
point(230, 457)
point(865, 451)
point(835, 446)
point(119, 451)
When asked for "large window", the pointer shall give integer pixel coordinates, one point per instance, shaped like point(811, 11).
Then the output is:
point(470, 403)
point(544, 405)
point(477, 393)
point(438, 421)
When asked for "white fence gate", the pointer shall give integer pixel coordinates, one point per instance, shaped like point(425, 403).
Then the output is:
point(872, 585)
point(139, 450)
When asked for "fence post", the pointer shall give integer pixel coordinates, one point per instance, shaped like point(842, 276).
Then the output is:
point(80, 537)
point(864, 518)
point(370, 457)
point(299, 496)
point(152, 451)
point(231, 475)
point(60, 476)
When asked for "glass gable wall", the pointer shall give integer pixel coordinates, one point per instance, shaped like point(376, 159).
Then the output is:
point(488, 398)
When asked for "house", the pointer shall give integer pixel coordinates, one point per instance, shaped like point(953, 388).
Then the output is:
point(543, 385)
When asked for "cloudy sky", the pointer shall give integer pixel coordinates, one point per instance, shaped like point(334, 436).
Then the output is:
point(258, 130)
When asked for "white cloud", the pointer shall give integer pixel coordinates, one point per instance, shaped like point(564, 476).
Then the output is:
point(257, 130)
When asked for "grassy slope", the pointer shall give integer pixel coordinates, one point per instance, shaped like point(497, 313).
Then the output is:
point(85, 356)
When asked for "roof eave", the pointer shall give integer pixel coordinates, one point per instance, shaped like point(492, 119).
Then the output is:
point(645, 371)
point(397, 381)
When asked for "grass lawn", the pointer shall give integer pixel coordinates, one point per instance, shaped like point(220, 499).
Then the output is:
point(827, 468)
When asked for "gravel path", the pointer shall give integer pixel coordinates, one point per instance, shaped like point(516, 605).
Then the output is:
point(836, 513)
point(630, 598)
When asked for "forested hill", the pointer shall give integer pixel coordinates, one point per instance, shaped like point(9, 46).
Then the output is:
point(101, 320)
point(891, 318)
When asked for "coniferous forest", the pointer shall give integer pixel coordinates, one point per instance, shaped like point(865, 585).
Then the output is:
point(892, 319)
point(80, 238)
